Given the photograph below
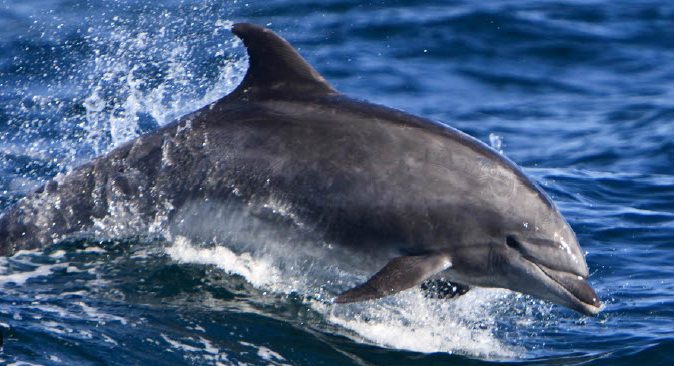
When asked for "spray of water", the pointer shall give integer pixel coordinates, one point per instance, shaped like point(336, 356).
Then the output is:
point(89, 86)
point(406, 321)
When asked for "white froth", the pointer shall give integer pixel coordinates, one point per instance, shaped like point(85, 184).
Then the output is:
point(200, 347)
point(55, 358)
point(107, 339)
point(208, 346)
point(23, 363)
point(92, 249)
point(406, 321)
point(58, 254)
point(259, 273)
point(100, 317)
point(20, 278)
point(412, 322)
point(179, 345)
point(268, 355)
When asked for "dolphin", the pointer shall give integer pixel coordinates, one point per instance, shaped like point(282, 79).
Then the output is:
point(425, 200)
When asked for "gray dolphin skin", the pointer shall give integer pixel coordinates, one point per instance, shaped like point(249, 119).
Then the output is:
point(425, 201)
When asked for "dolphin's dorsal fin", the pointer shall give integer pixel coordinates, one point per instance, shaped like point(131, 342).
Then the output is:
point(275, 68)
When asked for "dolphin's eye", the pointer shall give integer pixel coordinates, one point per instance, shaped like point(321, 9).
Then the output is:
point(512, 242)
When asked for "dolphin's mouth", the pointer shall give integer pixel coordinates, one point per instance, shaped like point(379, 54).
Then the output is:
point(574, 291)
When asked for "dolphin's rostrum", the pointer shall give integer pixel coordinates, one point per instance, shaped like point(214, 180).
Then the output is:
point(425, 201)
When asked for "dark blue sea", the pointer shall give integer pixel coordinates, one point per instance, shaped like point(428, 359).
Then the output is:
point(578, 93)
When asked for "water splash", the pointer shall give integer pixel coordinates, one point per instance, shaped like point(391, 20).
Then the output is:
point(496, 142)
point(111, 78)
point(406, 321)
point(143, 80)
point(259, 272)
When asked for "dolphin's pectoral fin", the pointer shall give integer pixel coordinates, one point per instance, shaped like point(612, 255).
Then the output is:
point(442, 289)
point(399, 274)
point(275, 68)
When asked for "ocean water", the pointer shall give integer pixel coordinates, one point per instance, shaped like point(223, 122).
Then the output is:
point(579, 93)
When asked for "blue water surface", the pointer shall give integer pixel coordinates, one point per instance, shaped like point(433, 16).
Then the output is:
point(579, 93)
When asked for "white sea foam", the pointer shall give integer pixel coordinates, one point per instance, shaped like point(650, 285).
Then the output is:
point(258, 272)
point(406, 321)
point(269, 356)
point(23, 363)
point(97, 315)
point(19, 278)
point(412, 322)
point(179, 345)
point(196, 350)
point(93, 249)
